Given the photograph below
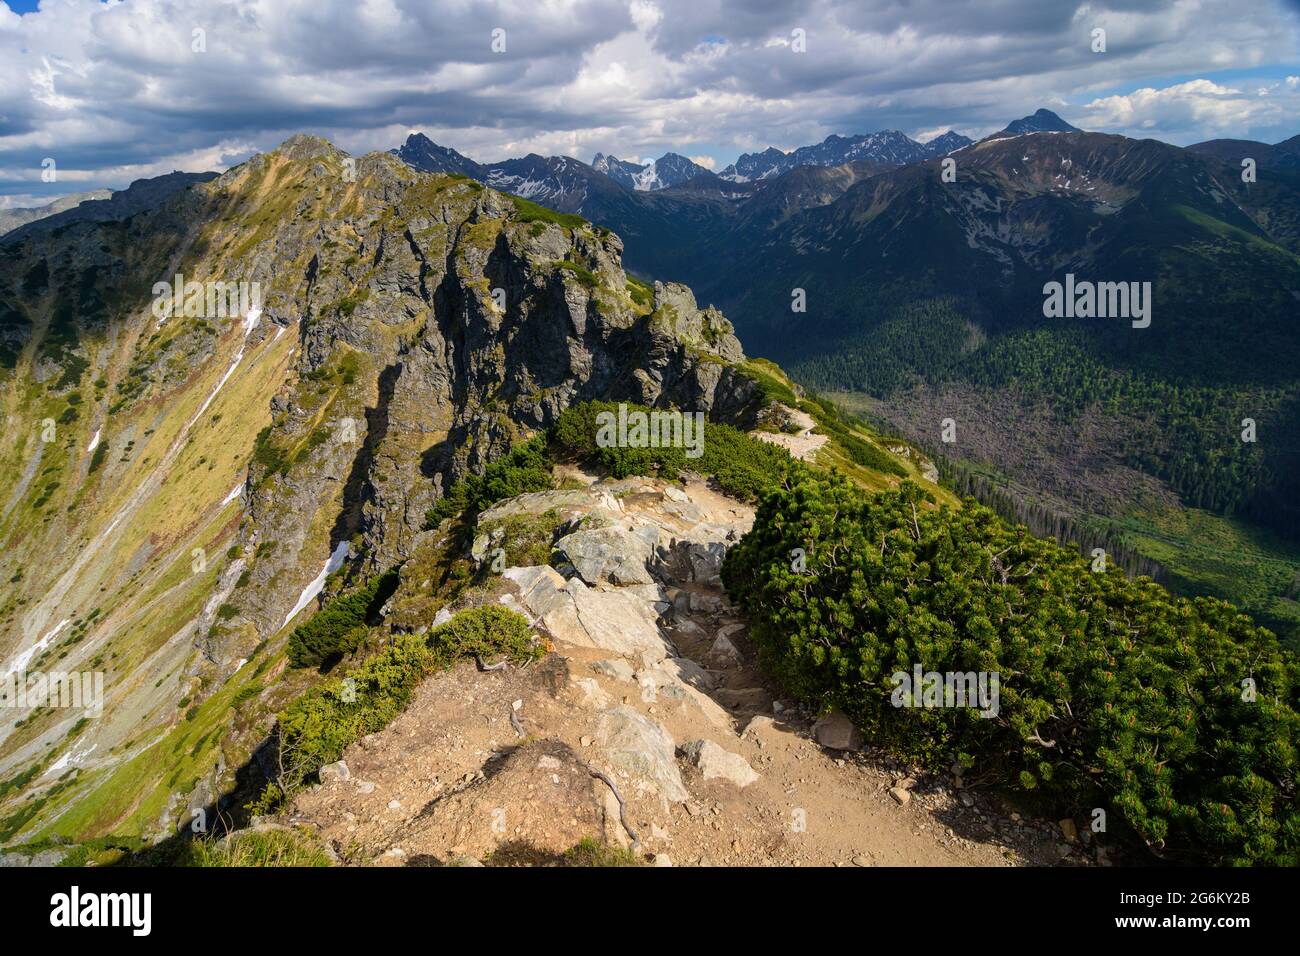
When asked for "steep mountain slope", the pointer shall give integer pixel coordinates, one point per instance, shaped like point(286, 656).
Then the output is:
point(176, 489)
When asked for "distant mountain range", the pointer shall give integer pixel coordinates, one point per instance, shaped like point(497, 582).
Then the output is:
point(1283, 155)
point(569, 185)
point(103, 205)
point(668, 170)
point(887, 147)
point(11, 219)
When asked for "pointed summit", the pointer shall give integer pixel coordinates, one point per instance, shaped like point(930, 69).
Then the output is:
point(1041, 121)
point(427, 156)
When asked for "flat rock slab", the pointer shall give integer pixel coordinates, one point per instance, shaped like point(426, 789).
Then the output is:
point(642, 748)
point(574, 613)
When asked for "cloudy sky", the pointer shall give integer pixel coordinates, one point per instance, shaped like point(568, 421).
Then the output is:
point(113, 91)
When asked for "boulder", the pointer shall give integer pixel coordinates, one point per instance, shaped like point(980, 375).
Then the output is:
point(714, 763)
point(837, 732)
point(614, 667)
point(610, 555)
point(689, 672)
point(706, 602)
point(336, 772)
point(723, 651)
point(573, 613)
point(686, 561)
point(641, 747)
point(660, 682)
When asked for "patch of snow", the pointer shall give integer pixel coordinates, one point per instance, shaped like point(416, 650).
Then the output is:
point(20, 662)
point(647, 180)
point(250, 323)
point(341, 552)
point(70, 757)
point(94, 441)
point(234, 493)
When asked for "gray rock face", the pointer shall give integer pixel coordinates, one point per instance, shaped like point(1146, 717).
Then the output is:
point(46, 858)
point(608, 555)
point(461, 334)
point(699, 562)
point(642, 748)
point(714, 763)
point(410, 329)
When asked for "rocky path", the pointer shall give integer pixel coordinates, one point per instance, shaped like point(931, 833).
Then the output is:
point(653, 688)
point(802, 444)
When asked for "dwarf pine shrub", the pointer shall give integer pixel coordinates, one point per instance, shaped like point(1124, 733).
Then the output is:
point(1178, 717)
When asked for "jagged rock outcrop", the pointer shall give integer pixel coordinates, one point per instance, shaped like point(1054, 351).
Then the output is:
point(474, 320)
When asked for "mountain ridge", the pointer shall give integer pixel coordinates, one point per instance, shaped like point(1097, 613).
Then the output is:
point(206, 478)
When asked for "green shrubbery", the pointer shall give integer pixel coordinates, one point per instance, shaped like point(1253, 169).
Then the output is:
point(526, 468)
point(97, 458)
point(1113, 693)
point(642, 293)
point(743, 466)
point(268, 455)
point(596, 853)
point(317, 727)
point(580, 272)
point(526, 539)
point(340, 626)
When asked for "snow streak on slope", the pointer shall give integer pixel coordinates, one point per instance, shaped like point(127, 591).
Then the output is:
point(314, 588)
point(19, 663)
point(250, 323)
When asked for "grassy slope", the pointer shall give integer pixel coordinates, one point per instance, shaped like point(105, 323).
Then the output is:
point(781, 388)
point(139, 591)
